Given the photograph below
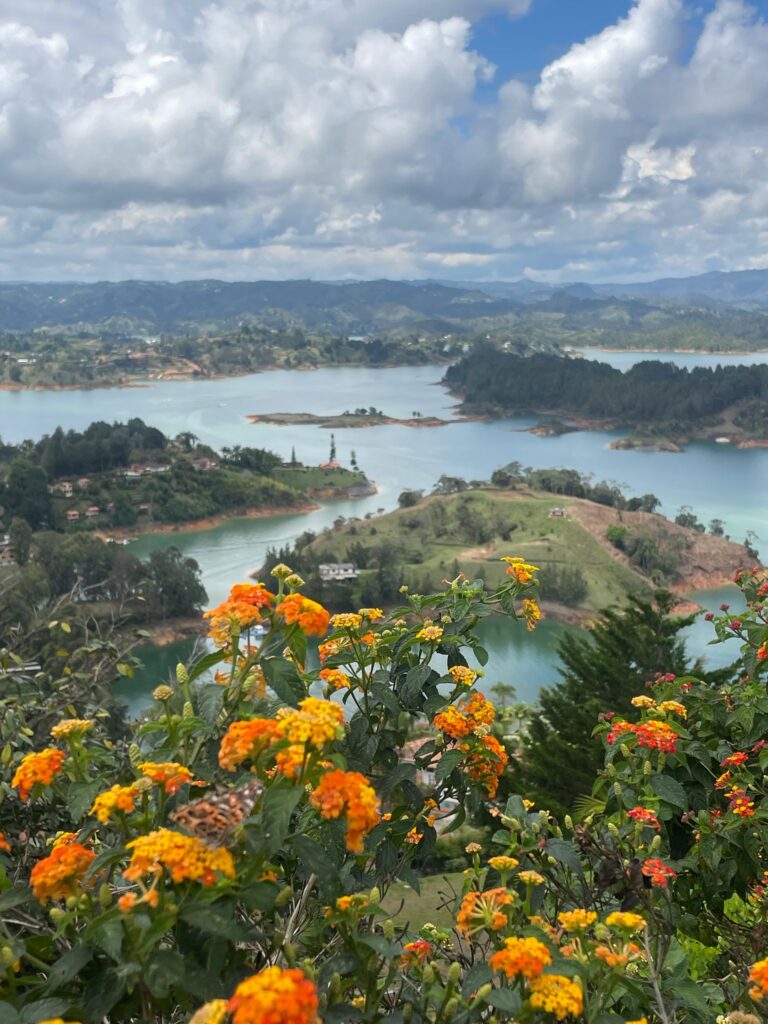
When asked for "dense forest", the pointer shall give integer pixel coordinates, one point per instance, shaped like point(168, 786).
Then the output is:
point(651, 392)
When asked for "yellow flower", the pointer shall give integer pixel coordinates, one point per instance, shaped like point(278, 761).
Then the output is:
point(346, 620)
point(72, 727)
point(168, 774)
point(557, 994)
point(185, 857)
point(275, 996)
point(39, 767)
point(531, 878)
point(621, 919)
point(643, 701)
point(520, 569)
point(430, 633)
point(214, 1012)
point(640, 1020)
point(118, 798)
point(60, 875)
point(576, 920)
point(531, 612)
point(503, 863)
point(480, 910)
point(674, 706)
point(462, 675)
point(372, 614)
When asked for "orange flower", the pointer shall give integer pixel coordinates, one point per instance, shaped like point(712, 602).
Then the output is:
point(520, 569)
point(214, 1012)
point(275, 996)
point(576, 920)
point(240, 610)
point(76, 727)
point(311, 616)
point(335, 677)
point(118, 798)
point(246, 740)
point(462, 675)
point(328, 649)
point(486, 765)
point(41, 767)
point(5, 846)
point(758, 976)
point(316, 722)
point(673, 706)
point(350, 793)
point(470, 714)
point(739, 803)
point(656, 735)
point(480, 910)
point(254, 594)
point(415, 953)
point(526, 957)
point(57, 876)
point(185, 857)
point(168, 774)
point(643, 816)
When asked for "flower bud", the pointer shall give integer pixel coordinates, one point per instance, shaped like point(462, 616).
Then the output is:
point(105, 895)
point(451, 1007)
point(514, 824)
point(181, 674)
point(284, 896)
point(162, 693)
point(429, 974)
point(613, 829)
point(610, 770)
point(57, 915)
point(568, 820)
point(617, 788)
point(454, 973)
point(134, 755)
point(625, 750)
point(71, 903)
point(188, 711)
point(483, 992)
point(7, 956)
point(647, 768)
point(5, 757)
point(294, 581)
point(552, 861)
point(335, 985)
point(289, 952)
point(389, 929)
point(281, 571)
point(375, 894)
point(656, 844)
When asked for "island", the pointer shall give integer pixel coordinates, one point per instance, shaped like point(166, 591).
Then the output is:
point(591, 554)
point(663, 405)
point(356, 418)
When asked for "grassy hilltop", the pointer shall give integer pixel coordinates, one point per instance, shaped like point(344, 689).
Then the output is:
point(591, 557)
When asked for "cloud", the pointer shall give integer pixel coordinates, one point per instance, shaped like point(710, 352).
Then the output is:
point(173, 138)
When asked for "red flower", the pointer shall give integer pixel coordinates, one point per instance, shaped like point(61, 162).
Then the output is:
point(658, 872)
point(734, 760)
point(644, 817)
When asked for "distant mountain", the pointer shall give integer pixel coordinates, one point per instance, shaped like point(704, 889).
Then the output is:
point(359, 307)
point(746, 289)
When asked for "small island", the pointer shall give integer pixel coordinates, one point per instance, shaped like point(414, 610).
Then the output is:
point(370, 417)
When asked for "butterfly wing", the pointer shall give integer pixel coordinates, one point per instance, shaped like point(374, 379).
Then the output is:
point(215, 816)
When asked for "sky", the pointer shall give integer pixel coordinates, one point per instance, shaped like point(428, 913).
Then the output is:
point(559, 140)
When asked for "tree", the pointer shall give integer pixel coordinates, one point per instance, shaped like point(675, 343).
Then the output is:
point(294, 461)
point(332, 456)
point(172, 585)
point(409, 498)
point(26, 494)
point(717, 528)
point(20, 536)
point(353, 460)
point(602, 670)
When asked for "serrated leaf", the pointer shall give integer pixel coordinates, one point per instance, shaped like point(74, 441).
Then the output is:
point(42, 1009)
point(284, 680)
point(68, 965)
point(381, 945)
point(277, 805)
point(669, 790)
point(450, 760)
point(216, 919)
point(503, 999)
point(565, 853)
point(475, 978)
point(80, 797)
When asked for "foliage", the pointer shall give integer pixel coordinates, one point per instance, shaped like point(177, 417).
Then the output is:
point(652, 907)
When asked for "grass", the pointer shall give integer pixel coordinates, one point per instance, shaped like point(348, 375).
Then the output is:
point(409, 908)
point(313, 477)
point(471, 531)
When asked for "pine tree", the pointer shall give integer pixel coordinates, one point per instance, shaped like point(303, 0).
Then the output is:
point(293, 457)
point(332, 456)
point(353, 460)
point(603, 668)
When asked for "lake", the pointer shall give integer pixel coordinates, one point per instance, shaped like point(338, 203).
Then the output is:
point(716, 480)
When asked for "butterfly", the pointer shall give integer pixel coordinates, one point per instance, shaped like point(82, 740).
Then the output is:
point(215, 816)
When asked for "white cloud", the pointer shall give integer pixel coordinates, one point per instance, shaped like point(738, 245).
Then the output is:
point(329, 137)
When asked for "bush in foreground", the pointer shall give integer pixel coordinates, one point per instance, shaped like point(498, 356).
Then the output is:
point(229, 862)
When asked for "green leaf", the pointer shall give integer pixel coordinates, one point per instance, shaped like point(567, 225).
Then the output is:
point(314, 858)
point(80, 797)
point(284, 680)
point(43, 1009)
point(381, 945)
point(448, 762)
point(68, 965)
point(205, 664)
point(15, 897)
point(382, 693)
point(277, 805)
point(475, 978)
point(565, 853)
point(481, 654)
point(106, 932)
point(504, 1000)
point(164, 969)
point(395, 777)
point(216, 919)
point(210, 700)
point(669, 790)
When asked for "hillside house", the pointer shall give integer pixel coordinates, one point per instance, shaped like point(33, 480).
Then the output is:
point(333, 464)
point(6, 551)
point(132, 476)
point(204, 465)
point(83, 482)
point(337, 572)
point(557, 513)
point(73, 515)
point(92, 512)
point(63, 487)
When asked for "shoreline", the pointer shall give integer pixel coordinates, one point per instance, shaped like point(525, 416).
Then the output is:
point(341, 422)
point(206, 523)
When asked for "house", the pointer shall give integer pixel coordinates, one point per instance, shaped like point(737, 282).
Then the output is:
point(333, 572)
point(64, 488)
point(83, 482)
point(73, 515)
point(557, 513)
point(6, 551)
point(144, 508)
point(204, 465)
point(92, 512)
point(333, 464)
point(132, 476)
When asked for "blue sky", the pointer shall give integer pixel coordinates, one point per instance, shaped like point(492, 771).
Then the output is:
point(462, 139)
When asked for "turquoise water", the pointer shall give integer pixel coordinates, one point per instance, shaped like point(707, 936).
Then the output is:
point(716, 480)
